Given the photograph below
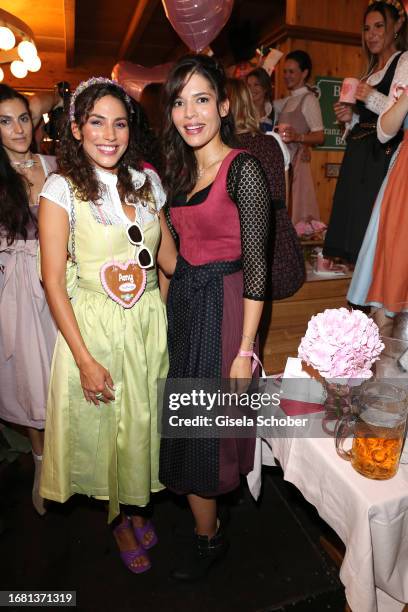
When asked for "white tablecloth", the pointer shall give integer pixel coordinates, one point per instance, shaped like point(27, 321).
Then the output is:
point(370, 516)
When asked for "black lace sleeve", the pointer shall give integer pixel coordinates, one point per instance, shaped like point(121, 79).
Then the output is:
point(248, 187)
point(166, 210)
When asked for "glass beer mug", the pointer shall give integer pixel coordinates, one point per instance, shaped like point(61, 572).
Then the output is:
point(378, 429)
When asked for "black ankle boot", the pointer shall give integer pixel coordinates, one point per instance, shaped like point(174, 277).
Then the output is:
point(200, 556)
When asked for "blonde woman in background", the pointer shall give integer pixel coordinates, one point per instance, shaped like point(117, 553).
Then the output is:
point(268, 150)
point(284, 249)
point(260, 86)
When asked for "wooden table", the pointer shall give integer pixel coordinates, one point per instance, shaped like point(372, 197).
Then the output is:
point(285, 323)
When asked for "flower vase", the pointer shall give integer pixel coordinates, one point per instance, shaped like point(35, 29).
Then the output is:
point(337, 404)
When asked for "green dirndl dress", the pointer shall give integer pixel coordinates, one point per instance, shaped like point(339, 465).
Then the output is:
point(110, 451)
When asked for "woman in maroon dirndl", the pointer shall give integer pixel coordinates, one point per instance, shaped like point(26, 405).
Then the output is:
point(220, 211)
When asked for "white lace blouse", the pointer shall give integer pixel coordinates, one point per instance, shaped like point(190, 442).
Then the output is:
point(56, 190)
point(376, 101)
point(400, 80)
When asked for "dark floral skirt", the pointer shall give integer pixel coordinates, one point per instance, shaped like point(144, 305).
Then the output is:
point(205, 315)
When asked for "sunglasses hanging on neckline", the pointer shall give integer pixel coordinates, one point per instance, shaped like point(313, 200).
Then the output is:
point(135, 236)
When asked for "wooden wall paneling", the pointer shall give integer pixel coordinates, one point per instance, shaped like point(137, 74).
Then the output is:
point(291, 6)
point(325, 187)
point(343, 15)
point(290, 317)
point(69, 21)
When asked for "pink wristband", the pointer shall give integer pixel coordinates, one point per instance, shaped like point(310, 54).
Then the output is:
point(255, 360)
point(242, 353)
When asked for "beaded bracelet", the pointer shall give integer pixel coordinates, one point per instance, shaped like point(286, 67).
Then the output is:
point(250, 340)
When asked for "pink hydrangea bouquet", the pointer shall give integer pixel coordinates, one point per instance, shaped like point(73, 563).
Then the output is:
point(341, 343)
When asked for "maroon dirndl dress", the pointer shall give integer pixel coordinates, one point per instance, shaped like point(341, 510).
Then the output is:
point(205, 313)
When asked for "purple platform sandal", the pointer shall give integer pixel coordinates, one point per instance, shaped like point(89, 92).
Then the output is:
point(129, 556)
point(140, 533)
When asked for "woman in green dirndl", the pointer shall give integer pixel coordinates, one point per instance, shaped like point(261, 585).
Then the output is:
point(103, 209)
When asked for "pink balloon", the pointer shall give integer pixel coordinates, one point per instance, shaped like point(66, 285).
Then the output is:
point(198, 22)
point(134, 77)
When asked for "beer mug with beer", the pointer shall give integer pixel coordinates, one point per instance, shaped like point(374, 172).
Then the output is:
point(378, 430)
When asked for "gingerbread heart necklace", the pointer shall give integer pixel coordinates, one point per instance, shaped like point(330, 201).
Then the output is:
point(123, 282)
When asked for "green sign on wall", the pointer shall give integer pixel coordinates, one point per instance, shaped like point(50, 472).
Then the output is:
point(329, 91)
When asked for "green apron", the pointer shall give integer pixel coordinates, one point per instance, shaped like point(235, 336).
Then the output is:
point(108, 451)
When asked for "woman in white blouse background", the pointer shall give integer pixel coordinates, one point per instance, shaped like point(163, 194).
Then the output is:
point(300, 125)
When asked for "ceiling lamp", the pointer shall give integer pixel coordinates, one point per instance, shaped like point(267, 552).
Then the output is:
point(27, 50)
point(18, 69)
point(7, 38)
point(17, 46)
point(33, 65)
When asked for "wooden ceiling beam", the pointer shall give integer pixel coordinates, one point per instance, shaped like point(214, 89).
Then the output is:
point(141, 16)
point(69, 25)
point(286, 31)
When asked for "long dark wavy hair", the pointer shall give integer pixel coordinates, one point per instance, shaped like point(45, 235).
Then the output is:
point(15, 212)
point(389, 13)
point(74, 164)
point(181, 166)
